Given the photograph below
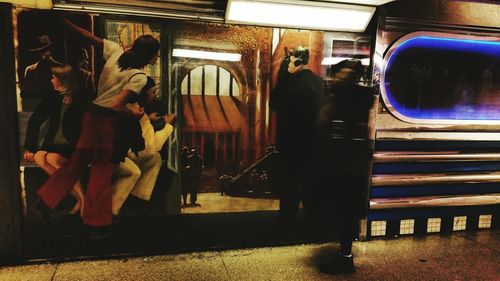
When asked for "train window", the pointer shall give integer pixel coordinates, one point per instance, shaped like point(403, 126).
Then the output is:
point(443, 78)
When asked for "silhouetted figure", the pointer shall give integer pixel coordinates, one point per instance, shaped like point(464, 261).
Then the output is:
point(295, 99)
point(191, 175)
point(36, 82)
point(343, 157)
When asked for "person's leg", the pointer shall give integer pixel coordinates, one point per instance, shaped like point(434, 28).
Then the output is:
point(41, 160)
point(194, 192)
point(125, 177)
point(347, 233)
point(98, 212)
point(184, 194)
point(63, 179)
point(290, 187)
point(56, 160)
point(347, 225)
point(150, 165)
point(344, 261)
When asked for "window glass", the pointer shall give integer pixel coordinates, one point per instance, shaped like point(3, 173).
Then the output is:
point(436, 77)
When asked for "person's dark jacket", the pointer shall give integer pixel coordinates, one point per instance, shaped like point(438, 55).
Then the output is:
point(128, 137)
point(296, 99)
point(50, 109)
point(344, 149)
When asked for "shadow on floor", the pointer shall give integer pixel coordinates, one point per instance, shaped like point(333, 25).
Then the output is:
point(172, 234)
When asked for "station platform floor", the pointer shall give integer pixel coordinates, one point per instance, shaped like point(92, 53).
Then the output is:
point(448, 256)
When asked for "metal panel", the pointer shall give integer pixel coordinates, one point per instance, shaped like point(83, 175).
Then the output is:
point(190, 9)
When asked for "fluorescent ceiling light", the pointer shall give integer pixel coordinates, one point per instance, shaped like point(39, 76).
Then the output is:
point(365, 2)
point(335, 60)
point(37, 4)
point(300, 14)
point(206, 55)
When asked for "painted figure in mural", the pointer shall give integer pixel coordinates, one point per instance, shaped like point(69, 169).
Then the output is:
point(344, 157)
point(295, 99)
point(134, 179)
point(109, 130)
point(64, 111)
point(85, 77)
point(191, 175)
point(36, 81)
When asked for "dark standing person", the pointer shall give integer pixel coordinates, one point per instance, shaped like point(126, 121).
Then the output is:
point(295, 99)
point(344, 157)
point(191, 176)
point(108, 131)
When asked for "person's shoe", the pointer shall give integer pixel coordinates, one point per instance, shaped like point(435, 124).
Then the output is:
point(42, 211)
point(339, 265)
point(100, 232)
point(116, 219)
point(194, 204)
point(139, 206)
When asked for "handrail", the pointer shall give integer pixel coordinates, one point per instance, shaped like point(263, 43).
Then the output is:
point(434, 201)
point(442, 178)
point(252, 166)
point(448, 156)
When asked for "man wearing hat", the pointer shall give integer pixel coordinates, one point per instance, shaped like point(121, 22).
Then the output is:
point(36, 82)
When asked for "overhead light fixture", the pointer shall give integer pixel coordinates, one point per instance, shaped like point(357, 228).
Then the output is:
point(185, 53)
point(37, 4)
point(366, 2)
point(300, 14)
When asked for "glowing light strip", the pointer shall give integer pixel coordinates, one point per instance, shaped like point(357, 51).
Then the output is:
point(184, 53)
point(300, 14)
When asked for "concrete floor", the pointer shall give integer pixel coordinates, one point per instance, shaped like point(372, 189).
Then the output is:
point(455, 256)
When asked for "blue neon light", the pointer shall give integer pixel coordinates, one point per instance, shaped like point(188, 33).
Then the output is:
point(440, 50)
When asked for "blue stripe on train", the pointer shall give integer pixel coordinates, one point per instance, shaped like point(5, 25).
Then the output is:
point(434, 167)
point(432, 190)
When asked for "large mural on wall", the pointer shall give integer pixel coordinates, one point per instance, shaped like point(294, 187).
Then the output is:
point(200, 134)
